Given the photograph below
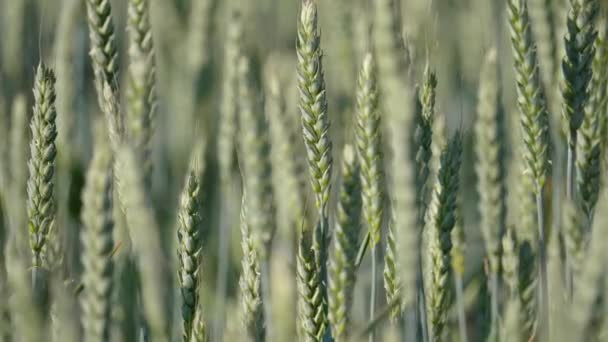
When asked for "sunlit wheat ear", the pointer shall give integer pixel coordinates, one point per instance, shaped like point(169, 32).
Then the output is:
point(313, 103)
point(98, 241)
point(534, 122)
point(440, 222)
point(342, 273)
point(142, 82)
point(252, 310)
point(530, 98)
point(189, 242)
point(40, 184)
point(104, 55)
point(369, 148)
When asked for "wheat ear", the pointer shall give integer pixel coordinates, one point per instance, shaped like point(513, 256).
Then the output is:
point(98, 241)
point(489, 149)
point(441, 217)
point(104, 55)
point(189, 242)
point(252, 309)
point(342, 273)
point(141, 92)
point(40, 184)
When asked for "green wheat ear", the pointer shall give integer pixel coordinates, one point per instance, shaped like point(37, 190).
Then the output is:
point(250, 283)
point(342, 272)
point(104, 55)
point(189, 242)
point(98, 241)
point(590, 138)
point(228, 121)
point(313, 103)
point(440, 221)
point(142, 82)
point(312, 320)
point(369, 148)
point(40, 184)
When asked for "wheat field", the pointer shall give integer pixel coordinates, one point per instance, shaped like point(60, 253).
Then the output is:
point(303, 170)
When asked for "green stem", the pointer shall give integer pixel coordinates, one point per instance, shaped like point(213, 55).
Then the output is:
point(494, 298)
point(372, 294)
point(543, 285)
